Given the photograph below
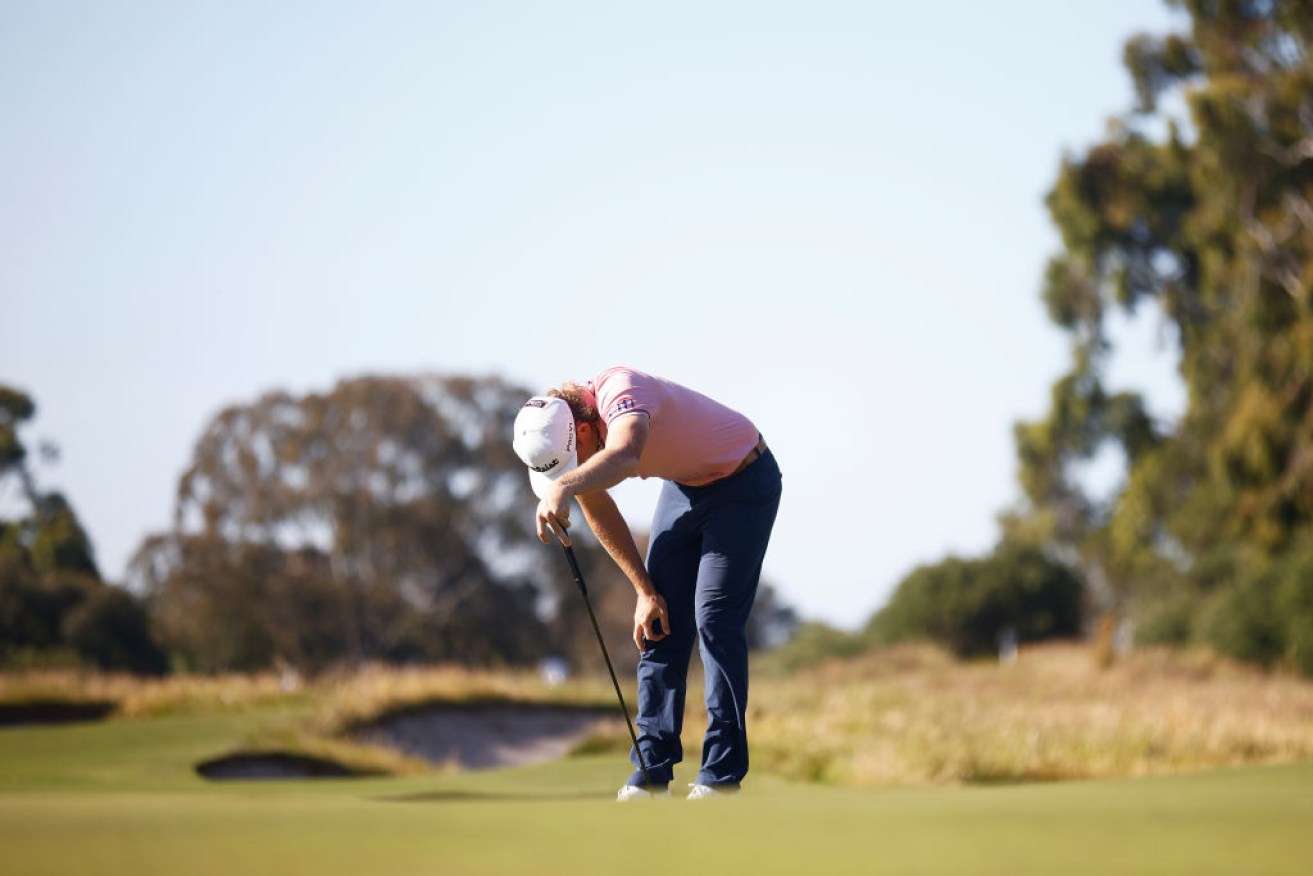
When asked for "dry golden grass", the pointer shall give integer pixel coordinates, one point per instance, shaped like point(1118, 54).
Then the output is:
point(341, 698)
point(349, 699)
point(902, 716)
point(137, 697)
point(911, 715)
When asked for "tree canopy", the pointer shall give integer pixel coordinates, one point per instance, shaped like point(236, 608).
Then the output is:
point(1207, 221)
point(386, 519)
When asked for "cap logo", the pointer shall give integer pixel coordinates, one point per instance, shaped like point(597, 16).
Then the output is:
point(548, 467)
point(536, 403)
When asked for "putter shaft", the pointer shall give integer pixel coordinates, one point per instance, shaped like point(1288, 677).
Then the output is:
point(583, 591)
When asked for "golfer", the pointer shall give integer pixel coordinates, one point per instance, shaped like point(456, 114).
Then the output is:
point(712, 524)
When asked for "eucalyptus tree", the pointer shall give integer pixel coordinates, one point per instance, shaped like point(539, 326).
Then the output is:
point(386, 519)
point(1196, 206)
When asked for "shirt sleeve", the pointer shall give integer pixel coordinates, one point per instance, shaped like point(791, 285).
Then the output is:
point(620, 394)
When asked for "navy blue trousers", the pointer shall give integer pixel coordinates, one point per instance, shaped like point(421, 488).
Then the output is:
point(705, 559)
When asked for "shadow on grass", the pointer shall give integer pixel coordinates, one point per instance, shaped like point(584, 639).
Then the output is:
point(468, 796)
point(249, 765)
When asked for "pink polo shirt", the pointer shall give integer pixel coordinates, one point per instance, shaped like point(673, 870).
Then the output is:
point(691, 439)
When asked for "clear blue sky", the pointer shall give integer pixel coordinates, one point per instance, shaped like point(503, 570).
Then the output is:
point(826, 214)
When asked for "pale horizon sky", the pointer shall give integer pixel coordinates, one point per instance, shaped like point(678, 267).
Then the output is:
point(827, 215)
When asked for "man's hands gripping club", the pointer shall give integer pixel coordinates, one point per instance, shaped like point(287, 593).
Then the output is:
point(554, 516)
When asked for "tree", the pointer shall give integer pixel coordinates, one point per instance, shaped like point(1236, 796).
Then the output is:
point(51, 535)
point(16, 407)
point(52, 598)
point(387, 519)
point(1210, 224)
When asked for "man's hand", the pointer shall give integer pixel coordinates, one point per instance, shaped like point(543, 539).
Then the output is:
point(554, 516)
point(651, 623)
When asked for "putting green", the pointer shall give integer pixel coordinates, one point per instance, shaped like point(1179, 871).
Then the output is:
point(121, 798)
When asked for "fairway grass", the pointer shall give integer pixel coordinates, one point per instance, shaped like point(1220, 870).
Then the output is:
point(122, 798)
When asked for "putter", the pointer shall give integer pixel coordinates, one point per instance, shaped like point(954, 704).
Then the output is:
point(583, 591)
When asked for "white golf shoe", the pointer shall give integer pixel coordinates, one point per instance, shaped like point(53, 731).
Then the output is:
point(633, 792)
point(701, 792)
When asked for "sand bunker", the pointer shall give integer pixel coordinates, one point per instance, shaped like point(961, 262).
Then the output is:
point(53, 712)
point(471, 737)
point(479, 737)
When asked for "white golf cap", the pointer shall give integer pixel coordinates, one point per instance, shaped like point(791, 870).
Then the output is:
point(544, 440)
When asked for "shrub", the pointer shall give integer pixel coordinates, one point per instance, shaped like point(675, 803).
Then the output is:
point(110, 630)
point(815, 642)
point(1259, 607)
point(967, 605)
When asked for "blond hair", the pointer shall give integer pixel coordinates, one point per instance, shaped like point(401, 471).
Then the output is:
point(582, 402)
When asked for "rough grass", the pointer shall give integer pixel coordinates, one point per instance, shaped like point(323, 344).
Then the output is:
point(908, 715)
point(351, 699)
point(911, 715)
point(134, 697)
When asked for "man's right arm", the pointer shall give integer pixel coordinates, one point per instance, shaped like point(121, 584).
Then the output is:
point(608, 524)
